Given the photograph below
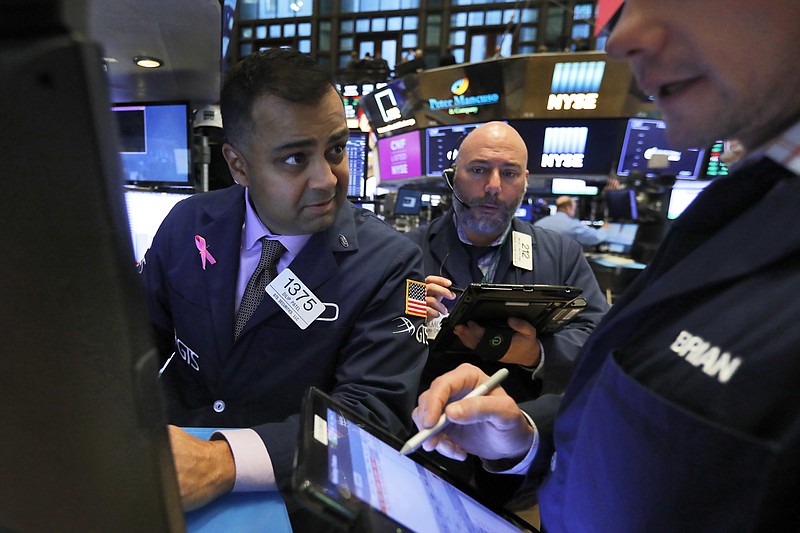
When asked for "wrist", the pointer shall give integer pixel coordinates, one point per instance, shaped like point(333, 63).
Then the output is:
point(223, 466)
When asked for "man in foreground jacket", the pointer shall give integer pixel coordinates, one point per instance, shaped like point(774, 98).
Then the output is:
point(683, 412)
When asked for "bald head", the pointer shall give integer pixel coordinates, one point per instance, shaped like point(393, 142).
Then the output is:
point(494, 138)
point(491, 177)
point(566, 204)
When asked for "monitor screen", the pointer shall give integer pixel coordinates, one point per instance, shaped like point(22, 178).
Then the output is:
point(646, 150)
point(620, 236)
point(441, 146)
point(570, 147)
point(390, 109)
point(357, 153)
point(714, 165)
point(146, 211)
point(154, 143)
point(400, 156)
point(409, 202)
point(621, 204)
point(681, 196)
point(572, 186)
point(524, 212)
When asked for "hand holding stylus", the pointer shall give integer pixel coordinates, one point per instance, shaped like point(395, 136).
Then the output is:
point(491, 426)
point(416, 441)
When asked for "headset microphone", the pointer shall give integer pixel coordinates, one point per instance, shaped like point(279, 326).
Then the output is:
point(448, 174)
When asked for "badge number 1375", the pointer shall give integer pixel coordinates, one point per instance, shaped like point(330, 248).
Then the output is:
point(295, 298)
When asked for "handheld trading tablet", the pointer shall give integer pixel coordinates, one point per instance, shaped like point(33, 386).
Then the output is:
point(352, 472)
point(547, 307)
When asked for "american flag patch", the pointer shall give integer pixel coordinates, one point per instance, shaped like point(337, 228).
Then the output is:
point(415, 298)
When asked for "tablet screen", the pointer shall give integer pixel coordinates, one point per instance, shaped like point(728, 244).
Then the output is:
point(405, 491)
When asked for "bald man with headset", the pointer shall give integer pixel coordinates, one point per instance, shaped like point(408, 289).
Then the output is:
point(479, 239)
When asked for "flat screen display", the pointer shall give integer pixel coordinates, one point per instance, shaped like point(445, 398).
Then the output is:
point(409, 202)
point(524, 212)
point(441, 146)
point(357, 153)
point(570, 147)
point(154, 143)
point(146, 211)
point(714, 165)
point(408, 493)
point(645, 150)
point(389, 109)
point(681, 196)
point(620, 236)
point(621, 204)
point(400, 156)
point(573, 186)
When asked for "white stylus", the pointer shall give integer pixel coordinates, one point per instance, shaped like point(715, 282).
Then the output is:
point(484, 388)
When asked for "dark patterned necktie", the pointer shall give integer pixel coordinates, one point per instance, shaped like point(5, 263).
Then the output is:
point(267, 269)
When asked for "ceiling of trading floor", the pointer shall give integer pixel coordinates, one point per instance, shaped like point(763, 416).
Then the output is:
point(185, 34)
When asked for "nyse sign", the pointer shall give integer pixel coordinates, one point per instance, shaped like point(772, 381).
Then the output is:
point(564, 147)
point(575, 85)
point(557, 102)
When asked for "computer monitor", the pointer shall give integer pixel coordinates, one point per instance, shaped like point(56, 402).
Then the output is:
point(681, 196)
point(154, 143)
point(715, 167)
point(146, 210)
point(621, 204)
point(524, 212)
point(645, 150)
point(573, 186)
point(570, 147)
point(400, 157)
point(409, 202)
point(357, 154)
point(621, 236)
point(85, 444)
point(441, 146)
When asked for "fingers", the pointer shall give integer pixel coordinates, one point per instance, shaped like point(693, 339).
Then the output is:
point(525, 349)
point(469, 334)
point(454, 384)
point(442, 444)
point(435, 307)
point(523, 327)
point(496, 408)
point(437, 286)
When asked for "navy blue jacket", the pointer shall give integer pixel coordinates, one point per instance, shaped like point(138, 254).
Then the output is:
point(369, 357)
point(557, 260)
point(683, 413)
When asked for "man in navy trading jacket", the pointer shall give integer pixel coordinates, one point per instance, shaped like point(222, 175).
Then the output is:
point(334, 315)
point(479, 239)
point(683, 411)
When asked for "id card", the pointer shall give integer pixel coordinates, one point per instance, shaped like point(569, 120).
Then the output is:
point(522, 250)
point(295, 298)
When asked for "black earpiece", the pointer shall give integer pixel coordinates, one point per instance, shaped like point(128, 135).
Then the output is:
point(449, 175)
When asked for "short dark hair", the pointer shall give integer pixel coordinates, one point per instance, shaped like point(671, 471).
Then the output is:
point(286, 73)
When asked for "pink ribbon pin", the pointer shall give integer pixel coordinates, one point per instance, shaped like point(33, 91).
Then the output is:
point(205, 255)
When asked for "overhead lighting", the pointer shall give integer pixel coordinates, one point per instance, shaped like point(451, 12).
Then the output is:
point(147, 61)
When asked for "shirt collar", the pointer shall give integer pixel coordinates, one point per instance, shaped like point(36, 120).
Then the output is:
point(254, 229)
point(783, 149)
